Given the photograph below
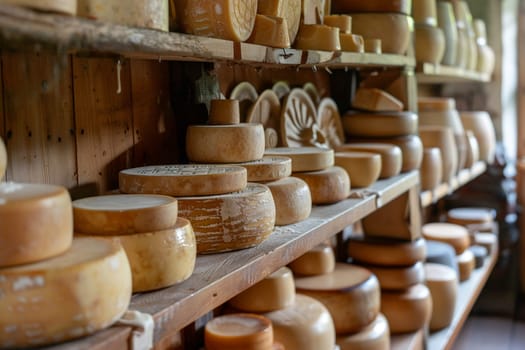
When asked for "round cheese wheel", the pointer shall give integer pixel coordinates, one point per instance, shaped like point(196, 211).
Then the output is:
point(343, 22)
point(486, 239)
point(364, 168)
point(290, 10)
point(68, 7)
point(183, 179)
point(442, 281)
point(268, 169)
point(393, 29)
point(455, 235)
point(224, 112)
point(306, 325)
point(471, 216)
point(69, 296)
point(292, 198)
point(391, 156)
point(328, 185)
point(380, 124)
point(398, 278)
point(225, 143)
point(231, 221)
point(159, 259)
point(466, 264)
point(386, 252)
point(345, 6)
point(121, 214)
point(270, 31)
point(3, 159)
point(351, 294)
point(407, 311)
point(431, 171)
point(317, 37)
point(441, 253)
point(305, 158)
point(480, 253)
point(317, 261)
point(352, 42)
point(36, 220)
point(239, 332)
point(275, 292)
point(375, 336)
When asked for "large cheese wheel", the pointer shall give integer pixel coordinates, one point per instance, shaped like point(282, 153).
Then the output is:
point(124, 214)
point(386, 252)
point(292, 198)
point(275, 292)
point(442, 281)
point(328, 185)
point(62, 6)
point(290, 10)
point(407, 311)
point(441, 253)
point(3, 159)
point(238, 332)
point(225, 19)
point(351, 294)
point(471, 216)
point(231, 221)
point(306, 325)
point(225, 143)
point(159, 259)
point(391, 156)
point(455, 235)
point(317, 37)
point(36, 222)
point(268, 169)
point(317, 261)
point(305, 158)
point(376, 100)
point(393, 29)
point(270, 31)
point(375, 336)
point(380, 124)
point(466, 264)
point(364, 168)
point(183, 180)
point(343, 22)
point(72, 295)
point(398, 278)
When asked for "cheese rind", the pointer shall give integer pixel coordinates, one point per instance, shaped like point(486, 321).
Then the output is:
point(466, 264)
point(398, 278)
point(352, 42)
point(363, 168)
point(455, 235)
point(268, 169)
point(317, 37)
point(62, 6)
point(270, 31)
point(328, 185)
point(317, 261)
point(375, 336)
point(442, 281)
point(3, 159)
point(292, 198)
point(343, 22)
point(305, 158)
point(376, 100)
point(386, 252)
point(380, 124)
point(290, 10)
point(391, 156)
point(224, 112)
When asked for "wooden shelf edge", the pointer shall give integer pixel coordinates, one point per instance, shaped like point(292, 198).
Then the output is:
point(428, 73)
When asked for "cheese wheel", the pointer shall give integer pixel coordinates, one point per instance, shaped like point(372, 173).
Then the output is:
point(317, 37)
point(312, 11)
point(486, 239)
point(431, 171)
point(306, 325)
point(442, 282)
point(343, 22)
point(386, 252)
point(268, 169)
point(373, 46)
point(121, 214)
point(441, 253)
point(345, 6)
point(364, 168)
point(270, 31)
point(292, 198)
point(36, 222)
point(352, 42)
point(471, 216)
point(160, 259)
point(224, 19)
point(225, 143)
point(375, 336)
point(398, 278)
point(407, 311)
point(393, 29)
point(3, 159)
point(61, 6)
point(391, 156)
point(376, 100)
point(466, 264)
point(69, 296)
point(351, 294)
point(455, 235)
point(480, 253)
point(224, 112)
point(305, 158)
point(317, 261)
point(380, 124)
point(328, 185)
point(290, 10)
point(231, 221)
point(247, 95)
point(275, 292)
point(238, 332)
point(183, 179)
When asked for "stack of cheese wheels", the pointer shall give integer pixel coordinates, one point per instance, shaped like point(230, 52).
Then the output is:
point(442, 281)
point(429, 38)
point(349, 42)
point(68, 7)
point(391, 157)
point(160, 246)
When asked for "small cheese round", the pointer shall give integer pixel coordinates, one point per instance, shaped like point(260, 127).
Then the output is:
point(270, 31)
point(292, 198)
point(466, 264)
point(471, 216)
point(183, 179)
point(327, 186)
point(391, 156)
point(343, 22)
point(305, 158)
point(455, 235)
point(275, 292)
point(398, 278)
point(386, 252)
point(375, 336)
point(380, 124)
point(317, 37)
point(351, 294)
point(364, 168)
point(244, 142)
point(442, 281)
point(268, 169)
point(352, 42)
point(3, 159)
point(84, 290)
point(121, 214)
point(441, 253)
point(317, 261)
point(36, 222)
point(231, 221)
point(224, 112)
point(68, 7)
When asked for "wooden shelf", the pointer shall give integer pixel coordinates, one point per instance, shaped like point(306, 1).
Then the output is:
point(428, 73)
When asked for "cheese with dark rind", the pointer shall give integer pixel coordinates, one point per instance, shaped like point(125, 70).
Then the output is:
point(292, 198)
point(391, 156)
point(386, 252)
point(317, 261)
point(268, 169)
point(328, 185)
point(305, 158)
point(375, 336)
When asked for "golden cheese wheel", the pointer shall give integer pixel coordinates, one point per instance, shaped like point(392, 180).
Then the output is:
point(224, 112)
point(455, 235)
point(386, 252)
point(292, 198)
point(346, 6)
point(75, 294)
point(268, 169)
point(429, 43)
point(317, 37)
point(275, 292)
point(36, 221)
point(328, 185)
point(351, 294)
point(376, 100)
point(391, 156)
point(380, 124)
point(398, 278)
point(317, 261)
point(183, 179)
point(305, 158)
point(121, 214)
point(270, 31)
point(466, 264)
point(68, 7)
point(352, 42)
point(3, 159)
point(431, 171)
point(394, 29)
point(442, 281)
point(225, 143)
point(375, 336)
point(343, 22)
point(471, 216)
point(230, 221)
point(290, 10)
point(364, 168)
point(442, 138)
point(486, 239)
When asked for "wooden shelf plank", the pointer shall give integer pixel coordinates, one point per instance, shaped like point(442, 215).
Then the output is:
point(409, 341)
point(391, 188)
point(428, 73)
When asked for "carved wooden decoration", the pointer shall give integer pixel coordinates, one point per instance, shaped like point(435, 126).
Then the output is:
point(329, 121)
point(246, 93)
point(267, 111)
point(281, 89)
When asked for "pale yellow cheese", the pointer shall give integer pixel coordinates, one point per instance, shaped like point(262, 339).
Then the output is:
point(305, 158)
point(270, 31)
point(391, 156)
point(328, 185)
point(72, 295)
point(442, 138)
point(36, 222)
point(290, 10)
point(373, 46)
point(231, 221)
point(455, 235)
point(224, 112)
point(3, 159)
point(275, 292)
point(472, 149)
point(343, 22)
point(364, 168)
point(317, 37)
point(380, 124)
point(317, 261)
point(239, 143)
point(398, 278)
point(121, 214)
point(62, 6)
point(376, 100)
point(352, 42)
point(486, 239)
point(351, 294)
point(471, 216)
point(375, 336)
point(386, 252)
point(183, 180)
point(292, 198)
point(442, 281)
point(466, 264)
point(431, 171)
point(268, 169)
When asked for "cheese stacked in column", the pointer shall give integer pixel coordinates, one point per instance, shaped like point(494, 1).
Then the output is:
point(442, 282)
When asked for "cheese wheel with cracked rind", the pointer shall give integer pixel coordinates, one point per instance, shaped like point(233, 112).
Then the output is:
point(84, 290)
point(231, 221)
point(183, 179)
point(442, 282)
point(376, 100)
point(385, 251)
point(3, 159)
point(391, 156)
point(159, 259)
point(121, 214)
point(375, 336)
point(268, 169)
point(61, 6)
point(305, 158)
point(275, 292)
point(327, 186)
point(290, 10)
point(270, 31)
point(363, 168)
point(317, 261)
point(351, 294)
point(466, 264)
point(292, 198)
point(317, 37)
point(343, 22)
point(36, 222)
point(398, 278)
point(455, 235)
point(380, 124)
